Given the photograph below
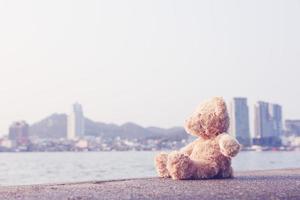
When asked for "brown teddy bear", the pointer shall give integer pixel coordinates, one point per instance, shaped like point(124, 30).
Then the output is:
point(210, 155)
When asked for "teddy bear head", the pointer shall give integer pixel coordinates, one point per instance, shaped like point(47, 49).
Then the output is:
point(209, 119)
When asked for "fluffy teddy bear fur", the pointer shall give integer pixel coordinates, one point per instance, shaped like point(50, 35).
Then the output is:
point(209, 156)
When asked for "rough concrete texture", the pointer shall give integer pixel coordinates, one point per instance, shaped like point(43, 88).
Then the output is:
point(270, 184)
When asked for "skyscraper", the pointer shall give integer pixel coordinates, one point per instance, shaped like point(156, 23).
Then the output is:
point(19, 133)
point(268, 124)
point(276, 115)
point(292, 127)
point(76, 122)
point(239, 120)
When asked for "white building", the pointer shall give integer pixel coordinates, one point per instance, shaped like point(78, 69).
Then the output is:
point(19, 133)
point(76, 123)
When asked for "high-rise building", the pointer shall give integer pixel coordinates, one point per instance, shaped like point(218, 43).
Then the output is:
point(19, 133)
point(276, 115)
point(76, 122)
point(292, 127)
point(268, 124)
point(239, 120)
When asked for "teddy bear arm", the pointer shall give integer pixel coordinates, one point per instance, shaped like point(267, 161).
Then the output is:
point(229, 146)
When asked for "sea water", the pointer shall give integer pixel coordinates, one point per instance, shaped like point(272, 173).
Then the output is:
point(63, 167)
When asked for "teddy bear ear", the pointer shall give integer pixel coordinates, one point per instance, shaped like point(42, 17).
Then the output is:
point(188, 126)
point(222, 123)
point(219, 104)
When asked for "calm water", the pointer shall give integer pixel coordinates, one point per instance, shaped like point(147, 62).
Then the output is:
point(34, 168)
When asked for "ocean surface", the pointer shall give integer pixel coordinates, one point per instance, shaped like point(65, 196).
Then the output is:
point(62, 167)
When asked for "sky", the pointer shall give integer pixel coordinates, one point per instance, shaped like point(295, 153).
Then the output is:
point(149, 62)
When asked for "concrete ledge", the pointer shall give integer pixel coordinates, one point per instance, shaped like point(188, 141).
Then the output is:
point(270, 184)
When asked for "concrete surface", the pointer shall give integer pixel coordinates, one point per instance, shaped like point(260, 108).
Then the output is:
point(271, 184)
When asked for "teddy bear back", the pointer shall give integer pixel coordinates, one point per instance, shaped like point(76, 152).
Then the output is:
point(209, 119)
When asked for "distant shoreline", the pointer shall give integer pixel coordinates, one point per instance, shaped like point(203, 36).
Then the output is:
point(167, 150)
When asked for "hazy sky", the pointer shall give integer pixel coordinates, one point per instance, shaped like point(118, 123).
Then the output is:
point(150, 62)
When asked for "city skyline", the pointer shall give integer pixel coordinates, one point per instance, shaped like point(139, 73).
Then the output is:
point(75, 122)
point(150, 62)
point(268, 129)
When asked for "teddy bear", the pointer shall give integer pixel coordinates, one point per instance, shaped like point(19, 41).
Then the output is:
point(208, 156)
